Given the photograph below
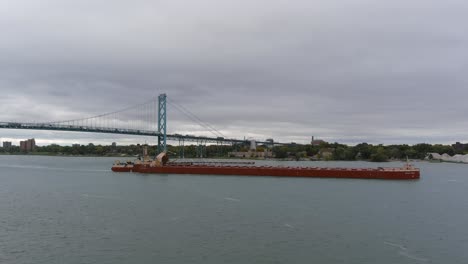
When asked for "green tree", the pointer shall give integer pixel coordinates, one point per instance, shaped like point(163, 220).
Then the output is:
point(411, 153)
point(280, 152)
point(364, 150)
point(99, 150)
point(379, 156)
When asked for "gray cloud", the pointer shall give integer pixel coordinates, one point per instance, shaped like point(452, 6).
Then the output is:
point(347, 71)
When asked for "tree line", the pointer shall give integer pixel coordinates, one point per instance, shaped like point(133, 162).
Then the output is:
point(327, 151)
point(189, 151)
point(365, 151)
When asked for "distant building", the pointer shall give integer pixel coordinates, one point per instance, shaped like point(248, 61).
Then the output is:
point(251, 154)
point(459, 146)
point(76, 145)
point(316, 142)
point(28, 145)
point(253, 145)
point(7, 145)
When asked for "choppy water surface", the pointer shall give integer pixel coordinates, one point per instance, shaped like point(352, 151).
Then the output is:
point(75, 210)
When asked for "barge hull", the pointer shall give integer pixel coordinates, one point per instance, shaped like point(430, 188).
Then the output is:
point(358, 173)
point(122, 168)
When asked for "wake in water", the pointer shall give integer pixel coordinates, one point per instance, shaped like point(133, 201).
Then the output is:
point(408, 255)
point(100, 196)
point(403, 251)
point(395, 245)
point(231, 199)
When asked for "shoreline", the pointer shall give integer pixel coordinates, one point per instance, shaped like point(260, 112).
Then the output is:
point(224, 158)
point(61, 155)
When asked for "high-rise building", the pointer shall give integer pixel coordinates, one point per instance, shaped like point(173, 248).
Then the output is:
point(23, 145)
point(28, 145)
point(7, 144)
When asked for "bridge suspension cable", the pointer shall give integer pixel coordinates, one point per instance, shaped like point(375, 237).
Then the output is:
point(195, 118)
point(141, 116)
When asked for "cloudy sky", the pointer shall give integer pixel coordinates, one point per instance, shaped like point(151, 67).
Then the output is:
point(343, 70)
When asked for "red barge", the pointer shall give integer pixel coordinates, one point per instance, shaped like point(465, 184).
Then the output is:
point(161, 166)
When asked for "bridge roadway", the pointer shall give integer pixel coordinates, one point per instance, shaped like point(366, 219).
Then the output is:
point(176, 137)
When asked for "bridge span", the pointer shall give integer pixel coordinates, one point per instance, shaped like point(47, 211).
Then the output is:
point(134, 132)
point(146, 119)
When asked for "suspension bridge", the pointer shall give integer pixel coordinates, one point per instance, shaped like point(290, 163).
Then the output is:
point(146, 119)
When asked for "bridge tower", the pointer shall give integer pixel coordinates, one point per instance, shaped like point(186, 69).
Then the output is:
point(162, 123)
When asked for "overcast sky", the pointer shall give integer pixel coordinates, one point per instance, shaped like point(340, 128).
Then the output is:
point(343, 70)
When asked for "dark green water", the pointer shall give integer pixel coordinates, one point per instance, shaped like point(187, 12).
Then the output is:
point(75, 210)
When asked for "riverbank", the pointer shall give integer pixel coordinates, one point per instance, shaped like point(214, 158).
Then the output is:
point(66, 155)
point(110, 155)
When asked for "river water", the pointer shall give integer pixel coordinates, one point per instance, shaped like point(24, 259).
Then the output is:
point(75, 210)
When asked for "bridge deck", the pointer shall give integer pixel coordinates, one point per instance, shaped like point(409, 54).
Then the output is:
point(71, 128)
